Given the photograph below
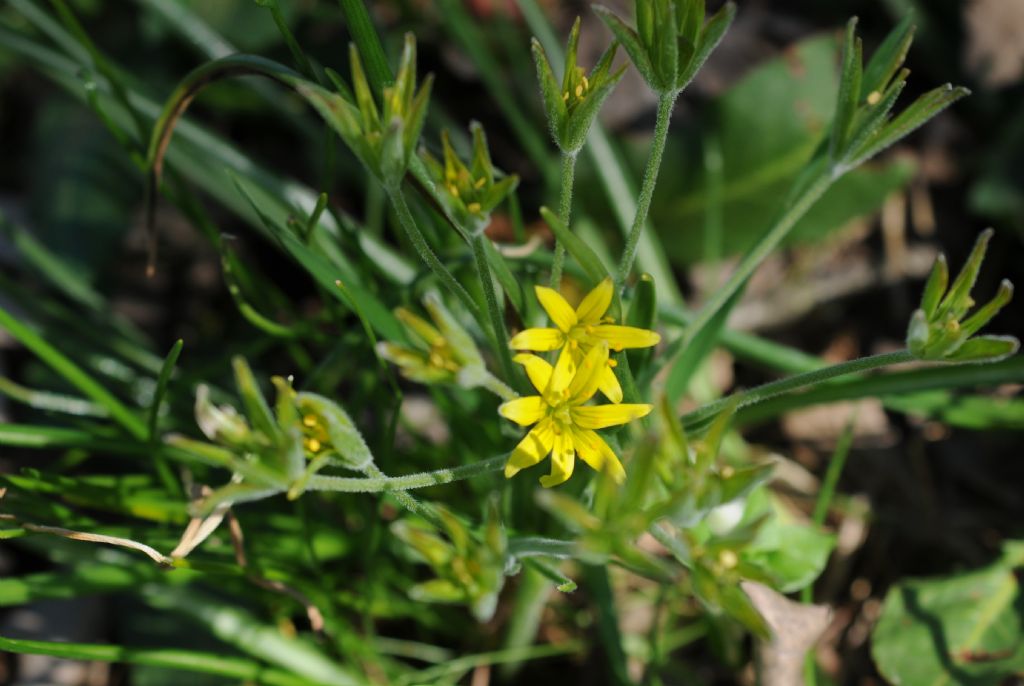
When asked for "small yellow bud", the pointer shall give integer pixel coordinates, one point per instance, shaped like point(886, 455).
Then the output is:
point(579, 91)
point(313, 445)
point(565, 96)
point(309, 420)
point(586, 84)
point(453, 189)
point(874, 97)
point(473, 207)
point(480, 182)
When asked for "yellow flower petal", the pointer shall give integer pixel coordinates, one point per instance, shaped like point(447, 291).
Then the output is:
point(603, 416)
point(622, 337)
point(534, 447)
point(540, 340)
point(562, 461)
point(610, 385)
point(557, 308)
point(593, 307)
point(588, 377)
point(537, 369)
point(561, 377)
point(524, 411)
point(593, 450)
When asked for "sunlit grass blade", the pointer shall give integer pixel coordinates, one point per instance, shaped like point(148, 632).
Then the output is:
point(184, 660)
point(75, 375)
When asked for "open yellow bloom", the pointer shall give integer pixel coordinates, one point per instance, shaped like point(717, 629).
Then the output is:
point(581, 329)
point(563, 425)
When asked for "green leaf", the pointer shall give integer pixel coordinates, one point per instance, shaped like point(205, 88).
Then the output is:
point(74, 375)
point(888, 58)
point(580, 251)
point(769, 124)
point(629, 40)
point(161, 386)
point(233, 668)
point(986, 349)
point(962, 629)
point(849, 90)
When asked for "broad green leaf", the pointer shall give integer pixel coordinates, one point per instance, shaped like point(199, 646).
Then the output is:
point(963, 629)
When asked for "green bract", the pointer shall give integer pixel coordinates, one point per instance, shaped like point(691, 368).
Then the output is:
point(864, 124)
point(384, 139)
point(938, 330)
point(468, 194)
point(571, 108)
point(671, 40)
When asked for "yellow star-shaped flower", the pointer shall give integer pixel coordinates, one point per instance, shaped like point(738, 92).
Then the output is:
point(579, 330)
point(563, 425)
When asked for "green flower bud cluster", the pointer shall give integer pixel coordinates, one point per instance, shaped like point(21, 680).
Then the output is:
point(277, 450)
point(938, 330)
point(441, 352)
point(671, 41)
point(468, 194)
point(384, 138)
point(468, 570)
point(572, 106)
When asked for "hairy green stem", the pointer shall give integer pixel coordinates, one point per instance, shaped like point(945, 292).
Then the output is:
point(408, 223)
point(781, 228)
point(494, 309)
point(564, 213)
point(666, 102)
point(343, 484)
point(498, 387)
point(793, 383)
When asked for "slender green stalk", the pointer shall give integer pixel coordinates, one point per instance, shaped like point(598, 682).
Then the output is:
point(408, 224)
point(793, 383)
point(498, 387)
point(341, 484)
point(564, 213)
point(825, 495)
point(793, 213)
point(501, 337)
point(665, 104)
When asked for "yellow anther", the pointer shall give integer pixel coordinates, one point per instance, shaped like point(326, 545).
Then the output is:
point(473, 207)
point(453, 189)
point(613, 363)
point(309, 420)
point(480, 182)
point(727, 472)
point(617, 347)
point(313, 445)
point(728, 559)
point(565, 96)
point(586, 83)
point(874, 97)
point(579, 91)
point(608, 320)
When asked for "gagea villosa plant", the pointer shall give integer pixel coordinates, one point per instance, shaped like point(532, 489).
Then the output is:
point(444, 369)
